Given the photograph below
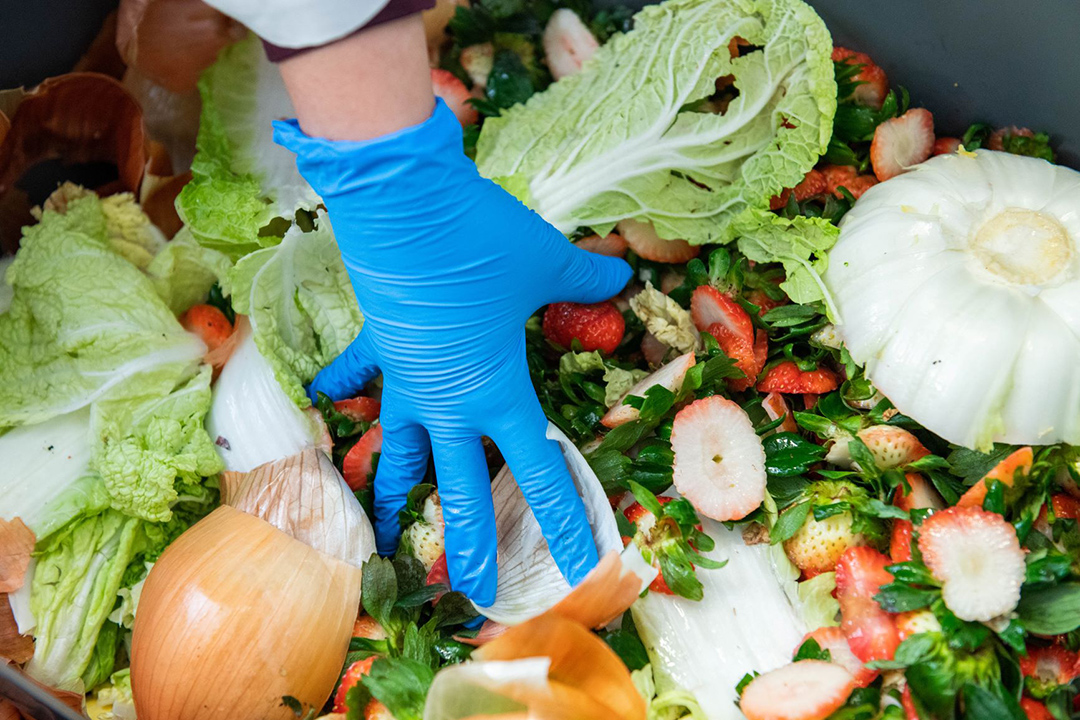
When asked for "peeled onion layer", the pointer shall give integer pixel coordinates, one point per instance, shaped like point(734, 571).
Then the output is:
point(959, 288)
point(236, 615)
point(745, 621)
point(530, 582)
point(305, 497)
point(549, 667)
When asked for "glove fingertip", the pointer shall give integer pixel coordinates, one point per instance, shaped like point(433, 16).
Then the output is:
point(477, 581)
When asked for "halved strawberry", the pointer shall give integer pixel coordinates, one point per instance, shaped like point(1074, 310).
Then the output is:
point(1065, 506)
point(834, 640)
point(902, 142)
point(996, 141)
point(977, 557)
point(945, 146)
point(645, 526)
point(568, 43)
point(644, 241)
point(369, 628)
point(914, 622)
point(1046, 668)
point(719, 461)
point(805, 690)
point(921, 494)
point(359, 409)
point(870, 630)
point(709, 306)
point(1005, 472)
point(357, 465)
point(786, 377)
point(351, 679)
point(599, 326)
point(891, 446)
point(873, 83)
point(776, 407)
point(653, 350)
point(900, 541)
point(741, 350)
point(669, 376)
point(209, 323)
point(439, 574)
point(1034, 709)
point(456, 96)
point(611, 245)
point(763, 301)
point(812, 185)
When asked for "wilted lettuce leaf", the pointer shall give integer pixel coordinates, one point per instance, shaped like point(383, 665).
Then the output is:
point(622, 138)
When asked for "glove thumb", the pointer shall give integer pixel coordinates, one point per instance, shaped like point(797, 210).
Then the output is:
point(587, 277)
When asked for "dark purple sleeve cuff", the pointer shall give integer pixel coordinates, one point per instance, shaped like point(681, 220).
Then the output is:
point(392, 11)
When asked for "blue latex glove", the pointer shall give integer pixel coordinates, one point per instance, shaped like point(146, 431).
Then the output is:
point(447, 268)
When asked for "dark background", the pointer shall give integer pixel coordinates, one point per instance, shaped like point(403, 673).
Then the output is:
point(998, 61)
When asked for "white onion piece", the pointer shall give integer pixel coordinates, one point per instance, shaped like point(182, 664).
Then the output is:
point(959, 288)
point(529, 580)
point(251, 418)
point(744, 622)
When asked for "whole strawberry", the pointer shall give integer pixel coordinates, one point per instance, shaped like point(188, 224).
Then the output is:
point(818, 544)
point(598, 326)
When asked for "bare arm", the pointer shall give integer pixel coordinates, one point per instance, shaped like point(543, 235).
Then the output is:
point(369, 84)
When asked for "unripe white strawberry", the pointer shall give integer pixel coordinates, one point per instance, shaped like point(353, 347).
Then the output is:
point(426, 538)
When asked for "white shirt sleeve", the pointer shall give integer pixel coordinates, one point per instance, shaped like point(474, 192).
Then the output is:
point(301, 23)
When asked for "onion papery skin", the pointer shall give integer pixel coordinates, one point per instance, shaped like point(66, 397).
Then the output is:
point(958, 290)
point(234, 616)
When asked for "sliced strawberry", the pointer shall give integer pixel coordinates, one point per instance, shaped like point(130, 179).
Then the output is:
point(719, 461)
point(834, 640)
point(611, 245)
point(669, 376)
point(977, 557)
point(739, 349)
point(901, 143)
point(375, 710)
point(873, 83)
point(1005, 472)
point(776, 407)
point(812, 185)
point(568, 43)
point(351, 679)
point(598, 326)
point(900, 541)
point(805, 690)
point(908, 703)
point(643, 240)
point(369, 628)
point(809, 400)
point(945, 146)
point(209, 323)
point(860, 185)
point(838, 176)
point(651, 539)
point(456, 96)
point(1065, 506)
point(996, 141)
point(921, 495)
point(653, 350)
point(761, 351)
point(870, 630)
point(439, 574)
point(892, 446)
point(914, 622)
point(763, 301)
point(1034, 709)
point(359, 409)
point(357, 465)
point(1049, 667)
point(709, 306)
point(786, 377)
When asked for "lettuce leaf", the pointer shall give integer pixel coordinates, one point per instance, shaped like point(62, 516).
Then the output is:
point(628, 138)
point(84, 324)
point(301, 305)
point(184, 271)
point(241, 180)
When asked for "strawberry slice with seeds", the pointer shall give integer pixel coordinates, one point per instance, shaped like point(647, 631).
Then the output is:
point(709, 306)
point(871, 632)
point(1047, 668)
point(359, 409)
point(739, 349)
point(650, 538)
point(977, 557)
point(776, 407)
point(456, 96)
point(844, 176)
point(351, 679)
point(919, 493)
point(359, 461)
point(1005, 472)
point(945, 146)
point(1065, 506)
point(669, 376)
point(599, 326)
point(611, 245)
point(873, 83)
point(812, 185)
point(1034, 709)
point(900, 541)
point(643, 240)
point(914, 622)
point(901, 143)
point(786, 377)
point(805, 690)
point(834, 640)
point(719, 461)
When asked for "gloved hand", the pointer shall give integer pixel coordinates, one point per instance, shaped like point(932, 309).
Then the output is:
point(447, 268)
